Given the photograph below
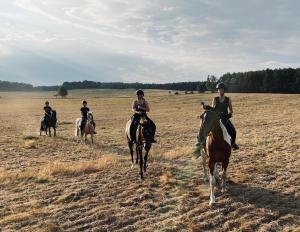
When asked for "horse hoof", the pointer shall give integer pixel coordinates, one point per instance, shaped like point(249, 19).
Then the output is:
point(211, 203)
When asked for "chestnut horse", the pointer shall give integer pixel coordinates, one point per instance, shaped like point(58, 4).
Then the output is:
point(144, 137)
point(215, 141)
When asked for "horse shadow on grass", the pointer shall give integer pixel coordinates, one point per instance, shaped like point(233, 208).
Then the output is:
point(264, 198)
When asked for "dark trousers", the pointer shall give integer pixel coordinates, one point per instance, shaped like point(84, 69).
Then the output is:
point(231, 130)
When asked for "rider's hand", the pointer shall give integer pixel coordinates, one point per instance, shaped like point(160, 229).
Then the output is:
point(229, 115)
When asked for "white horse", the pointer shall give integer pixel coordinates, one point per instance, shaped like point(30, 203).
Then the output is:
point(88, 128)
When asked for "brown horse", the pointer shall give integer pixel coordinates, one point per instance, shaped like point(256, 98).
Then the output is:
point(144, 138)
point(215, 142)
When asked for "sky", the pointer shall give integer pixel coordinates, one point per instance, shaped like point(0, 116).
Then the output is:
point(47, 42)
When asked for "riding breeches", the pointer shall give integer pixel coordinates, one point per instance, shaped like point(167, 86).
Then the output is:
point(231, 130)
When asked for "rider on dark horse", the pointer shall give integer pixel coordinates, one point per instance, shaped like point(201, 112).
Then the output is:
point(140, 107)
point(84, 112)
point(47, 110)
point(221, 104)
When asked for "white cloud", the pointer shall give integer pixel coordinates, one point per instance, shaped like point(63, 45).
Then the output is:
point(140, 40)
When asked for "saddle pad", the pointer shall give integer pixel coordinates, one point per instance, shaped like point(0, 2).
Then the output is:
point(226, 136)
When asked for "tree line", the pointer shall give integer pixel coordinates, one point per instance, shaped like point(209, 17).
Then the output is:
point(263, 81)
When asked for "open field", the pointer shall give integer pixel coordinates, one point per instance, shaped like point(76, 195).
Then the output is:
point(55, 184)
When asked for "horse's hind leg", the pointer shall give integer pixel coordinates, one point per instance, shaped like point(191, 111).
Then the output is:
point(204, 165)
point(212, 183)
point(224, 168)
point(49, 131)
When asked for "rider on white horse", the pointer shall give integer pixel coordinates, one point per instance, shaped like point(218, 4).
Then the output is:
point(84, 112)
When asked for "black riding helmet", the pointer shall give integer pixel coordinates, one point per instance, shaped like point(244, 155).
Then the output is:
point(84, 102)
point(140, 92)
point(221, 85)
point(46, 103)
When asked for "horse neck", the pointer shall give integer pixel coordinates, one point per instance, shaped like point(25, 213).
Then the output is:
point(217, 133)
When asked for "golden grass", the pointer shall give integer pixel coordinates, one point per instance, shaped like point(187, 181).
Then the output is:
point(22, 216)
point(178, 152)
point(44, 174)
point(79, 168)
point(91, 187)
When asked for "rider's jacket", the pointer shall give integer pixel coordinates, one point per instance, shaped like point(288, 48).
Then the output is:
point(222, 107)
point(84, 111)
point(47, 110)
point(140, 103)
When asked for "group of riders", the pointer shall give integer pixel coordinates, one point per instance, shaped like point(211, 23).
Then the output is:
point(140, 108)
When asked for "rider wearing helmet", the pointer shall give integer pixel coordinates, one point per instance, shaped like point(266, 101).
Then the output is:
point(47, 109)
point(140, 107)
point(221, 104)
point(84, 111)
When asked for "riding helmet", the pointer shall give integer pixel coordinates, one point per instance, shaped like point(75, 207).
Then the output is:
point(46, 103)
point(140, 92)
point(84, 102)
point(221, 85)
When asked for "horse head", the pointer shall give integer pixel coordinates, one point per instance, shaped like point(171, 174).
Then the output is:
point(53, 113)
point(145, 127)
point(209, 121)
point(90, 116)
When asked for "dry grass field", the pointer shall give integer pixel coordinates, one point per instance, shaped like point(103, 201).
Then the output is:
point(55, 184)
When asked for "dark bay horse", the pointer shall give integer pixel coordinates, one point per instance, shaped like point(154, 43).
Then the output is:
point(143, 140)
point(48, 122)
point(215, 141)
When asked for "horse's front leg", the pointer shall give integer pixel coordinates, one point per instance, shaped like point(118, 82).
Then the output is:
point(92, 138)
point(137, 154)
point(140, 152)
point(49, 131)
point(147, 148)
point(212, 183)
point(85, 138)
point(54, 131)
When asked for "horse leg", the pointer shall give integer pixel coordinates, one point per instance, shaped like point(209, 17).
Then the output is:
point(224, 168)
point(212, 183)
point(130, 145)
point(85, 138)
point(140, 150)
point(137, 154)
point(92, 138)
point(54, 131)
point(148, 147)
point(204, 165)
point(49, 128)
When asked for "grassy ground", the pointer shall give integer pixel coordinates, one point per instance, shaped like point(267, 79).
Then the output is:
point(55, 184)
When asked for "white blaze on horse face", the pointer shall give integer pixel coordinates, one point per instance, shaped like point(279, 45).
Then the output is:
point(226, 136)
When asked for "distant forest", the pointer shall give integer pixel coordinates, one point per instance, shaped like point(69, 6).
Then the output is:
point(264, 81)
